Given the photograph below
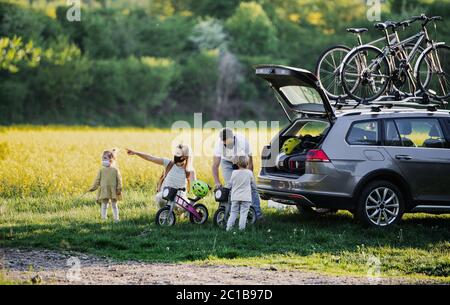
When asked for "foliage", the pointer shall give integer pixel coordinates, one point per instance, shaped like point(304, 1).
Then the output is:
point(84, 65)
point(252, 32)
point(209, 34)
point(13, 53)
point(128, 91)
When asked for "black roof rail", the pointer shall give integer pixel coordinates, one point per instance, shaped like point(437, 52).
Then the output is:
point(390, 101)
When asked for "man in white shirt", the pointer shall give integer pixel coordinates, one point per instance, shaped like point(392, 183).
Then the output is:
point(227, 147)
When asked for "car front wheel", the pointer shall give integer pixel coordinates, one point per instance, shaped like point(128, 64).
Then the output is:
point(381, 204)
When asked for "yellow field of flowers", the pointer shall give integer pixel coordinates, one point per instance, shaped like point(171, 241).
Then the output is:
point(39, 161)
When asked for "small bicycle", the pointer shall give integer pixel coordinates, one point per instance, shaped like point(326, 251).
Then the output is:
point(222, 196)
point(198, 213)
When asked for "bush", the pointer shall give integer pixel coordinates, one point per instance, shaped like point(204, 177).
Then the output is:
point(167, 37)
point(28, 24)
point(252, 32)
point(13, 94)
point(196, 86)
point(128, 91)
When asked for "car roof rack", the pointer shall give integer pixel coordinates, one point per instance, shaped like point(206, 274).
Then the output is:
point(391, 101)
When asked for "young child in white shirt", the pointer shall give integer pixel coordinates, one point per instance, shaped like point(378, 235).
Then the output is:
point(176, 171)
point(241, 195)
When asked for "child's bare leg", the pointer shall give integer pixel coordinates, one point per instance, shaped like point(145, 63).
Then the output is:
point(104, 209)
point(115, 209)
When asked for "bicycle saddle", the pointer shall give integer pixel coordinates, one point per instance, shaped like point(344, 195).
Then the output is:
point(385, 25)
point(357, 30)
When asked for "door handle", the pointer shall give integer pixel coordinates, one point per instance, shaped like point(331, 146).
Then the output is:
point(403, 157)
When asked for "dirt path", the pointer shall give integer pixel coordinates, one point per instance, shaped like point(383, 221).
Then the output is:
point(50, 267)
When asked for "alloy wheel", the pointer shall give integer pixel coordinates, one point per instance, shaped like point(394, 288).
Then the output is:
point(382, 206)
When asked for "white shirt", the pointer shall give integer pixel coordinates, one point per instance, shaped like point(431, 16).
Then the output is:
point(241, 148)
point(240, 183)
point(175, 178)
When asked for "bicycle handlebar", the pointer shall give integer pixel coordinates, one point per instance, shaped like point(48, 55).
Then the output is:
point(394, 25)
point(425, 19)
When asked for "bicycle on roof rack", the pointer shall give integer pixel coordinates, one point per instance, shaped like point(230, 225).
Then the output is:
point(368, 72)
point(329, 63)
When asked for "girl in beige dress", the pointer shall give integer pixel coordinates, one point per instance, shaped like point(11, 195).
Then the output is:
point(109, 184)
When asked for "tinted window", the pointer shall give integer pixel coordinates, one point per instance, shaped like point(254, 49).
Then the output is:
point(420, 133)
point(364, 133)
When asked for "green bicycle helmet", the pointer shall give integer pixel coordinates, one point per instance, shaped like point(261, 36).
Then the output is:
point(290, 145)
point(200, 188)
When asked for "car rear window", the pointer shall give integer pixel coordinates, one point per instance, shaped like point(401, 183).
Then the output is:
point(298, 95)
point(364, 133)
point(313, 128)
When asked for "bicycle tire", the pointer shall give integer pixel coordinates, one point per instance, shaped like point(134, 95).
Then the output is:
point(352, 92)
point(320, 61)
point(420, 49)
point(427, 88)
point(165, 210)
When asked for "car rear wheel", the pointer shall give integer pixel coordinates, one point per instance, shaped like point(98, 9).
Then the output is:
point(381, 205)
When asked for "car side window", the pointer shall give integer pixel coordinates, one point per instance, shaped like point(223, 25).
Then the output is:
point(392, 136)
point(421, 132)
point(364, 133)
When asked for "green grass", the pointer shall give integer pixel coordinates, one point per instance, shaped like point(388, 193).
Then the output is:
point(5, 281)
point(419, 247)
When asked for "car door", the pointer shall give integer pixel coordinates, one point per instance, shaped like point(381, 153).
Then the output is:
point(420, 149)
point(298, 91)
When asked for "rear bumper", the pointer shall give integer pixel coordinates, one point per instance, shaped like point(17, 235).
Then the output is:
point(320, 200)
point(322, 185)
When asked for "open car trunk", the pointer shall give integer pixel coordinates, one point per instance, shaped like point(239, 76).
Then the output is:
point(306, 105)
point(310, 132)
point(298, 91)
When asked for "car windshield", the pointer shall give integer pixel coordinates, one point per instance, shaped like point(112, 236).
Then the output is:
point(298, 95)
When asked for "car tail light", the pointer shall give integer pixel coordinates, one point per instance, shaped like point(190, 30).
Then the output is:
point(317, 155)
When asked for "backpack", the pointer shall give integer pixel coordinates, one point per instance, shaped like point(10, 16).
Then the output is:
point(166, 172)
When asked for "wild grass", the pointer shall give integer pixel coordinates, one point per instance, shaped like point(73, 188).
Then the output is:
point(42, 172)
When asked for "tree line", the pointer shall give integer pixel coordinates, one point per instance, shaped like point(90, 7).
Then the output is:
point(147, 65)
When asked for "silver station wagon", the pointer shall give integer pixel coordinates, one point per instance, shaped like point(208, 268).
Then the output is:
point(377, 161)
